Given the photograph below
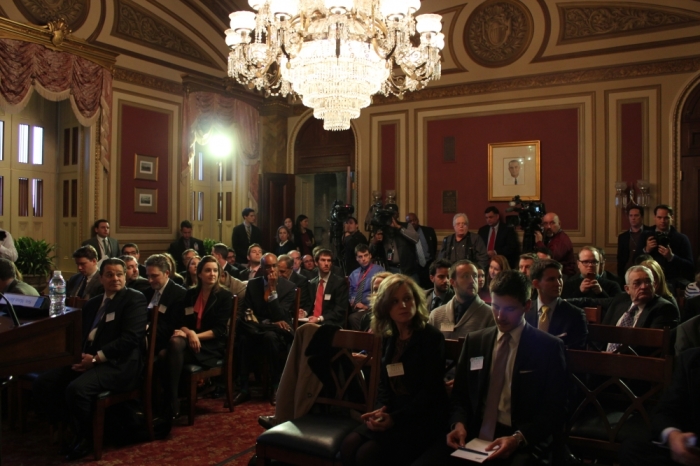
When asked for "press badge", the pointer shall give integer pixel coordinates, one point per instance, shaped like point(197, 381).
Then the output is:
point(327, 297)
point(447, 327)
point(162, 309)
point(189, 310)
point(109, 317)
point(476, 364)
point(394, 370)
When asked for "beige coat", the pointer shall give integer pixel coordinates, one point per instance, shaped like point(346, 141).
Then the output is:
point(478, 316)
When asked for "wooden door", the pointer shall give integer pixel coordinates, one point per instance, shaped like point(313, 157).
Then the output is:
point(276, 203)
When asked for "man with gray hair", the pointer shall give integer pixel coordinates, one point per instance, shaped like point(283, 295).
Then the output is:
point(9, 282)
point(464, 245)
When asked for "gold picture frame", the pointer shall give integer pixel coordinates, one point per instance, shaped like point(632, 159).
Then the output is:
point(145, 167)
point(514, 169)
point(146, 200)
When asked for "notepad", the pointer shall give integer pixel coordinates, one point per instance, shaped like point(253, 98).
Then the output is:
point(475, 451)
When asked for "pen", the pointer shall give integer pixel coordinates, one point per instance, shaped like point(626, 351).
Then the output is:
point(474, 451)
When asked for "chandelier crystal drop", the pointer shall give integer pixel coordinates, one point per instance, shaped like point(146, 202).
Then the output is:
point(334, 54)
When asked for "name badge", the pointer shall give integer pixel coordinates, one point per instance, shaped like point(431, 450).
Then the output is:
point(476, 364)
point(327, 297)
point(394, 370)
point(162, 309)
point(447, 327)
point(189, 310)
point(109, 317)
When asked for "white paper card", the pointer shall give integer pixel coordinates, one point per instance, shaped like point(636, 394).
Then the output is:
point(109, 317)
point(189, 310)
point(447, 327)
point(162, 309)
point(303, 319)
point(476, 364)
point(394, 370)
point(475, 451)
point(327, 297)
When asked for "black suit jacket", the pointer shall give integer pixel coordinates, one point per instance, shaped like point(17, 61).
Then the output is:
point(276, 310)
point(538, 387)
point(691, 308)
point(349, 244)
point(507, 243)
point(302, 283)
point(171, 308)
point(334, 309)
point(240, 243)
point(92, 289)
point(140, 284)
point(623, 249)
point(680, 405)
point(177, 247)
point(431, 239)
point(686, 335)
point(567, 323)
point(658, 313)
point(113, 245)
point(120, 335)
point(572, 288)
point(217, 312)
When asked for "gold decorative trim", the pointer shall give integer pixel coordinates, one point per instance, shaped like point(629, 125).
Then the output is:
point(146, 80)
point(59, 31)
point(457, 10)
point(72, 12)
point(40, 35)
point(590, 75)
point(100, 22)
point(225, 86)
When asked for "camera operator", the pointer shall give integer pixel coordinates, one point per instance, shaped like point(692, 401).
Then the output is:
point(464, 245)
point(399, 246)
point(351, 239)
point(558, 242)
point(670, 248)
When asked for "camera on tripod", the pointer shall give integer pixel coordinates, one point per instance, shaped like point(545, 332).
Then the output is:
point(529, 216)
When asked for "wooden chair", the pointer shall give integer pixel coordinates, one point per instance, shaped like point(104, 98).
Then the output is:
point(194, 373)
point(297, 301)
point(656, 342)
point(144, 392)
point(315, 439)
point(74, 301)
point(617, 391)
point(593, 314)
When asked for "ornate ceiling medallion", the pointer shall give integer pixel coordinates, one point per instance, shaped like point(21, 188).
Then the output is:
point(498, 32)
point(73, 12)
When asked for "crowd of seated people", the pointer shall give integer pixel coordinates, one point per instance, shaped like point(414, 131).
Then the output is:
point(517, 312)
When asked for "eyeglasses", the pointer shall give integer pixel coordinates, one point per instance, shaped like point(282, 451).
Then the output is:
point(589, 262)
point(640, 283)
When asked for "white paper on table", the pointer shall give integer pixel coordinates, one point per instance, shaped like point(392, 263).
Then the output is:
point(475, 451)
point(303, 319)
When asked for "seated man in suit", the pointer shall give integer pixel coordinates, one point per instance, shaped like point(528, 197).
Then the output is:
point(165, 295)
point(114, 325)
point(552, 314)
point(264, 325)
point(588, 284)
point(510, 385)
point(185, 242)
point(360, 285)
point(675, 424)
point(351, 239)
point(329, 291)
point(131, 249)
point(499, 238)
point(285, 267)
point(104, 245)
point(466, 312)
point(229, 274)
point(86, 283)
point(441, 293)
point(133, 279)
point(253, 270)
point(9, 282)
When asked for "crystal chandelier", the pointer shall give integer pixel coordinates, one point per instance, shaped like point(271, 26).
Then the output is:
point(334, 54)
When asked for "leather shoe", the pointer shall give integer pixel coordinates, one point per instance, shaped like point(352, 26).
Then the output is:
point(242, 397)
point(273, 397)
point(82, 449)
point(267, 422)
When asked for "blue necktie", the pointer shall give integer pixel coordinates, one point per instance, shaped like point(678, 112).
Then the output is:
point(100, 313)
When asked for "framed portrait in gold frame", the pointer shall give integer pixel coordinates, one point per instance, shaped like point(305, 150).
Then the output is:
point(514, 169)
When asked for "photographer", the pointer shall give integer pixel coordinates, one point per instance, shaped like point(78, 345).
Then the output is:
point(399, 246)
point(558, 242)
point(670, 248)
point(464, 245)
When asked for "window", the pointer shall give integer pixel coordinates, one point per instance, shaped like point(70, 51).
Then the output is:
point(23, 197)
point(38, 197)
point(2, 140)
point(200, 166)
point(37, 145)
point(2, 196)
point(200, 206)
point(23, 145)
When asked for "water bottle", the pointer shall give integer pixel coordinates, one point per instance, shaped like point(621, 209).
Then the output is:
point(57, 293)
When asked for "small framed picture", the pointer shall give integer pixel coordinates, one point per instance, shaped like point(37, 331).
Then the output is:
point(146, 200)
point(514, 169)
point(145, 167)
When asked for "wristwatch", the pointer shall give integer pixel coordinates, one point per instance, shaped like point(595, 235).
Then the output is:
point(520, 438)
point(95, 360)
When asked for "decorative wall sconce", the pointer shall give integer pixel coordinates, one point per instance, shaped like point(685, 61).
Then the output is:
point(626, 197)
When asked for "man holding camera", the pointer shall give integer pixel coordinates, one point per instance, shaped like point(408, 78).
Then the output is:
point(558, 242)
point(670, 248)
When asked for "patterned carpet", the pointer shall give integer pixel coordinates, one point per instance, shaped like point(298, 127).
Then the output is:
point(218, 437)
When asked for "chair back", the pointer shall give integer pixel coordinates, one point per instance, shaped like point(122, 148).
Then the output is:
point(151, 335)
point(658, 340)
point(593, 314)
point(347, 342)
point(230, 339)
point(76, 302)
point(297, 301)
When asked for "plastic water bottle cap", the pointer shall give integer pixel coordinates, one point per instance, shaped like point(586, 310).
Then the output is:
point(56, 273)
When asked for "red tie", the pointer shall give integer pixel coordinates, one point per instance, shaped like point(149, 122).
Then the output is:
point(318, 304)
point(492, 240)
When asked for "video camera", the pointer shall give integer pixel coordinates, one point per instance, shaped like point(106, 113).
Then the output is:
point(340, 212)
point(529, 214)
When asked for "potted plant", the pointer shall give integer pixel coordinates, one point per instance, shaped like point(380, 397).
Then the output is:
point(35, 261)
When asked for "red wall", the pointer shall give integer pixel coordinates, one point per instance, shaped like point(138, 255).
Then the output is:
point(388, 157)
point(143, 132)
point(557, 131)
point(631, 148)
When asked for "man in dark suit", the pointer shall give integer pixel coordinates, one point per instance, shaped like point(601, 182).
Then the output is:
point(183, 243)
point(86, 283)
point(587, 283)
point(131, 249)
point(308, 267)
point(270, 298)
point(285, 267)
point(686, 335)
point(675, 424)
point(329, 292)
point(133, 279)
point(105, 245)
point(114, 325)
point(513, 397)
point(351, 238)
point(630, 242)
point(499, 238)
point(549, 312)
point(426, 247)
point(245, 234)
point(164, 295)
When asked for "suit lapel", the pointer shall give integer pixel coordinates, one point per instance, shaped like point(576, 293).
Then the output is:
point(556, 325)
point(645, 313)
point(112, 307)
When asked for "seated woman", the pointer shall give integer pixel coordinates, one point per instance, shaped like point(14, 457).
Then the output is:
point(283, 241)
point(174, 276)
point(200, 337)
point(191, 273)
point(412, 400)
